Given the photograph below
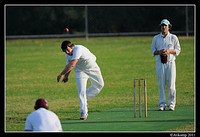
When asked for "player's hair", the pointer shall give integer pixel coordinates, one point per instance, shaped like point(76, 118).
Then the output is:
point(170, 26)
point(66, 44)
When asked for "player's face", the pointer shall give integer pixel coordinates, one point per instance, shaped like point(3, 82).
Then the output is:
point(164, 28)
point(69, 51)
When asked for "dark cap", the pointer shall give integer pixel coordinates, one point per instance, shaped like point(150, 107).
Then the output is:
point(41, 103)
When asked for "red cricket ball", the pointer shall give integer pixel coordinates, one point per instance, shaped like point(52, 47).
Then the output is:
point(66, 30)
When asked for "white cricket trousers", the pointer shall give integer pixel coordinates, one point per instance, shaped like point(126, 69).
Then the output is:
point(97, 84)
point(166, 75)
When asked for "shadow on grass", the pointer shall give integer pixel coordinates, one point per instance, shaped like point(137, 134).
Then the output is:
point(95, 122)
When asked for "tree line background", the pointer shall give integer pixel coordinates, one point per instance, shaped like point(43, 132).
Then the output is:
point(33, 20)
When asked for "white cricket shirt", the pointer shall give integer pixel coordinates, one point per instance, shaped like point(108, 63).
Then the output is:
point(43, 120)
point(86, 60)
point(169, 42)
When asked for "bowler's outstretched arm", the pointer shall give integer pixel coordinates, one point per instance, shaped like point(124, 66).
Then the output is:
point(67, 69)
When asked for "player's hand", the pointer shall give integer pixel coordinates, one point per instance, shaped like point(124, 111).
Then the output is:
point(65, 79)
point(166, 52)
point(162, 51)
point(58, 78)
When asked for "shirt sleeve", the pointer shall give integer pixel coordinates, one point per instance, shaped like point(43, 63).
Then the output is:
point(28, 125)
point(77, 52)
point(67, 60)
point(177, 46)
point(58, 124)
point(153, 46)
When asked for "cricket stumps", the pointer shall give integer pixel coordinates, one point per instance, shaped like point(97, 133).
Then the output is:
point(145, 97)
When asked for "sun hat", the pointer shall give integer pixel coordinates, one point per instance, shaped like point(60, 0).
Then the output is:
point(164, 21)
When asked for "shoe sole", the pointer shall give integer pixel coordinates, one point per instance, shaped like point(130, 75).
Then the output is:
point(171, 109)
point(83, 118)
point(161, 109)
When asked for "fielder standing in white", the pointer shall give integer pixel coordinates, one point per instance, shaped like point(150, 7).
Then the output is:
point(85, 67)
point(166, 47)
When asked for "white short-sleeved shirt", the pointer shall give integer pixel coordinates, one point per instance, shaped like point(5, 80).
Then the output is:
point(43, 120)
point(86, 60)
point(169, 42)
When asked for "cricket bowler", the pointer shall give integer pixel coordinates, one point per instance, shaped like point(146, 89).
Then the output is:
point(165, 46)
point(86, 68)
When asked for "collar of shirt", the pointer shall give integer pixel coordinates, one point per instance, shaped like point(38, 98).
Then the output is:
point(41, 109)
point(161, 35)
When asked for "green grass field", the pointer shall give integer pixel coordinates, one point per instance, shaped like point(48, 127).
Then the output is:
point(121, 119)
point(32, 66)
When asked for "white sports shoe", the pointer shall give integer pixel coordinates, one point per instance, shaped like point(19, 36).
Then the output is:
point(161, 109)
point(83, 116)
point(171, 108)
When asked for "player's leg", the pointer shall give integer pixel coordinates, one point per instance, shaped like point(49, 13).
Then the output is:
point(171, 79)
point(81, 84)
point(97, 84)
point(160, 71)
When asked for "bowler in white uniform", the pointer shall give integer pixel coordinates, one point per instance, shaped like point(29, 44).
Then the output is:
point(165, 46)
point(86, 68)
